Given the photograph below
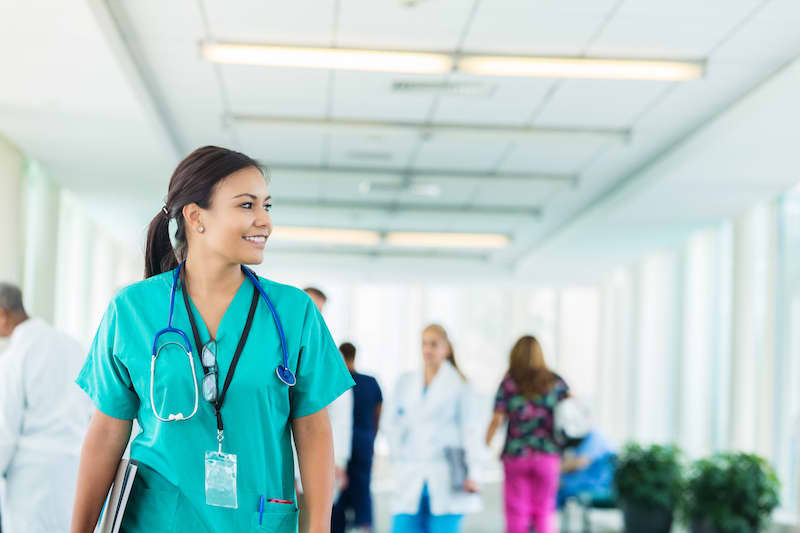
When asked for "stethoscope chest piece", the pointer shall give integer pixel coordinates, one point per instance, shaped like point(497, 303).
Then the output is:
point(286, 375)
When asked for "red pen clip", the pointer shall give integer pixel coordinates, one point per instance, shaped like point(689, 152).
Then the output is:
point(273, 500)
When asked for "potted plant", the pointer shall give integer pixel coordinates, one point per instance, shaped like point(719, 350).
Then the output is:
point(730, 493)
point(649, 483)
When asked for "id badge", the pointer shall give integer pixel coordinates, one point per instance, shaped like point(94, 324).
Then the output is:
point(221, 479)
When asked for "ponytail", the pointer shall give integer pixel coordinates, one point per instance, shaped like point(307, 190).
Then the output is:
point(193, 181)
point(159, 256)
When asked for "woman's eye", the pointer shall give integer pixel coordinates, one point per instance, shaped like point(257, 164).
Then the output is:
point(267, 207)
point(246, 205)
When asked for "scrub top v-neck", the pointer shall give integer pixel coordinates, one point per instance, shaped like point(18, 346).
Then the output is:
point(169, 494)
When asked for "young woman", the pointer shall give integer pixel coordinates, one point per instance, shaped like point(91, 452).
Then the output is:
point(527, 397)
point(433, 411)
point(218, 366)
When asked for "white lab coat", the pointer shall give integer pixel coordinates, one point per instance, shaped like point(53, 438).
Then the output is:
point(420, 425)
point(43, 419)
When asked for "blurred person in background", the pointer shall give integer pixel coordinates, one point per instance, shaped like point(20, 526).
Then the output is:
point(43, 418)
point(433, 411)
point(587, 463)
point(527, 399)
point(340, 412)
point(367, 404)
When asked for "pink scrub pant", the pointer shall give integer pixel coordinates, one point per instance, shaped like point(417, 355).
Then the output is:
point(530, 489)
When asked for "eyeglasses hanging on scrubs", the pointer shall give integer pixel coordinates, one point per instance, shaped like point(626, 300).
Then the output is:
point(208, 355)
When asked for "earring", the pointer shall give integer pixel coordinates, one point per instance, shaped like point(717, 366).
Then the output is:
point(201, 229)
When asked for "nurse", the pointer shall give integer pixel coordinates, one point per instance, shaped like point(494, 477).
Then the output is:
point(222, 462)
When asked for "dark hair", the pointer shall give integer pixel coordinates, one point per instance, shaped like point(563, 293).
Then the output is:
point(193, 181)
point(348, 351)
point(316, 292)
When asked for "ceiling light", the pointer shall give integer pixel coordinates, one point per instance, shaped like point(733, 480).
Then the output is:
point(327, 58)
point(553, 67)
point(325, 236)
point(447, 240)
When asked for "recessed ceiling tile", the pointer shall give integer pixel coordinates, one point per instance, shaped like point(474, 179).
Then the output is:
point(299, 22)
point(599, 103)
point(277, 92)
point(430, 25)
point(380, 96)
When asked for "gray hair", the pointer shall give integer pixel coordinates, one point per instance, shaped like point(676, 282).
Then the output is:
point(11, 298)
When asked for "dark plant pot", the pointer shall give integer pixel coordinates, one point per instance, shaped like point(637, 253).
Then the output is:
point(704, 525)
point(646, 519)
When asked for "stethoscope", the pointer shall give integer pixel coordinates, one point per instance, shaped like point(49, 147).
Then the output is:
point(283, 372)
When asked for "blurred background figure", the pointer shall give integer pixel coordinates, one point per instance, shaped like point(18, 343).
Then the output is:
point(527, 399)
point(354, 507)
point(43, 418)
point(340, 412)
point(433, 410)
point(587, 465)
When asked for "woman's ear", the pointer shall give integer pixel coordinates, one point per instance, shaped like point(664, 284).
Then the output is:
point(191, 214)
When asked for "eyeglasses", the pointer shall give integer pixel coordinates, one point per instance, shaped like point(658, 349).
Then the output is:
point(208, 358)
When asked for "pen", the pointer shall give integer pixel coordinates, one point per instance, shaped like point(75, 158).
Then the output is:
point(260, 508)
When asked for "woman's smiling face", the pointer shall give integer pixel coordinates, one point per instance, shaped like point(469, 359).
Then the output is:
point(237, 224)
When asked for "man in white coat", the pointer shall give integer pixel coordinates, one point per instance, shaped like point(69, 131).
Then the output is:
point(43, 418)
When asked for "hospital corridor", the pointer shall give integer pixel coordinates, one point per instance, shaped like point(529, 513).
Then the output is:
point(399, 266)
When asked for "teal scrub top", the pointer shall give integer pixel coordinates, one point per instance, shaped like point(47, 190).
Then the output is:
point(169, 492)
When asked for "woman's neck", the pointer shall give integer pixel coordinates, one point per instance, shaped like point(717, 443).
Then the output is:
point(431, 369)
point(207, 278)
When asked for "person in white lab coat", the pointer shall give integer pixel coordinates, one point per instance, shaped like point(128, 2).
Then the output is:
point(433, 410)
point(43, 418)
point(340, 412)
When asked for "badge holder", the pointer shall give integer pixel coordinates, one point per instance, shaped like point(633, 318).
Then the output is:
point(221, 477)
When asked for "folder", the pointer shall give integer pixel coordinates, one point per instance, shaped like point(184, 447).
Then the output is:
point(118, 497)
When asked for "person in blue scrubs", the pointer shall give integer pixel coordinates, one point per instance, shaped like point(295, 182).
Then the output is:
point(214, 450)
point(587, 469)
point(367, 403)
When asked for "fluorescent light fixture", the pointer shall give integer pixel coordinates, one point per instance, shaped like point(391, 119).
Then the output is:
point(325, 236)
point(327, 58)
point(447, 240)
point(554, 67)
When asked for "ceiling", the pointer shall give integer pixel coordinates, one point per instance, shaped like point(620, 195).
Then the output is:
point(109, 95)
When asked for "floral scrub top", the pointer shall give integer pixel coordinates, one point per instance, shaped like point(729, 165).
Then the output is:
point(531, 421)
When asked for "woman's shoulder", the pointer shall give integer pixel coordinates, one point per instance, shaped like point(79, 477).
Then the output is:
point(142, 291)
point(285, 293)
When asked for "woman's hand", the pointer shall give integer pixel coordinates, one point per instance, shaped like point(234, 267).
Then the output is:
point(471, 486)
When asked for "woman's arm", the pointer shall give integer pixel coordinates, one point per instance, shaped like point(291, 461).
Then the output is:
point(314, 440)
point(497, 420)
point(103, 447)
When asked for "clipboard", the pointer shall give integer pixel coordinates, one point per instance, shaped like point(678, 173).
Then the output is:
point(118, 496)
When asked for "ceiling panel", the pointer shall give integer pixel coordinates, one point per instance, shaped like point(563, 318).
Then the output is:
point(507, 100)
point(369, 95)
point(549, 155)
point(531, 28)
point(479, 155)
point(299, 22)
point(278, 146)
point(176, 20)
point(427, 26)
point(771, 37)
point(599, 103)
point(276, 91)
point(658, 29)
point(390, 151)
point(533, 193)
